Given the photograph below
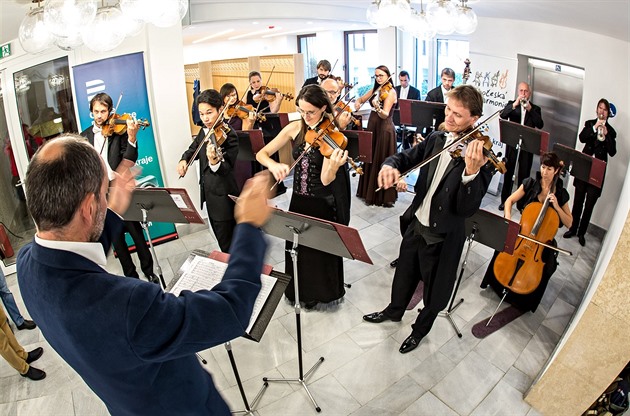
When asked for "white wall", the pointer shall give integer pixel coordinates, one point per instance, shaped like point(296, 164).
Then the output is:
point(605, 62)
point(240, 48)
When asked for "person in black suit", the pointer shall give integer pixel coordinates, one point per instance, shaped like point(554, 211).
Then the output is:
point(404, 90)
point(437, 94)
point(599, 141)
point(216, 164)
point(120, 147)
point(447, 192)
point(521, 111)
point(323, 70)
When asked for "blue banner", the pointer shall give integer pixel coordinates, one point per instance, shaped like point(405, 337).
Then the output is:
point(123, 79)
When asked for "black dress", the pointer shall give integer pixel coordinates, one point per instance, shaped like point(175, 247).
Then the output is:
point(383, 146)
point(531, 300)
point(320, 274)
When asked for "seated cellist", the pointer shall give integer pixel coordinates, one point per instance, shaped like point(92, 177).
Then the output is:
point(536, 190)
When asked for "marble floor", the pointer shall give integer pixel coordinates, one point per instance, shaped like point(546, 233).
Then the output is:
point(363, 373)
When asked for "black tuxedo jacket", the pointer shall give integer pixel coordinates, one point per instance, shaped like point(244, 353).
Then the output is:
point(118, 147)
point(533, 118)
point(413, 94)
point(452, 201)
point(216, 186)
point(310, 81)
point(435, 95)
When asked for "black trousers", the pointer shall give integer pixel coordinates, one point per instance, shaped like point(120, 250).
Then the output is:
point(418, 260)
point(223, 231)
point(525, 161)
point(586, 196)
point(122, 251)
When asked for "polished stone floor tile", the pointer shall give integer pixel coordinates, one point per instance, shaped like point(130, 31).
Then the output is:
point(428, 405)
point(399, 396)
point(503, 399)
point(50, 405)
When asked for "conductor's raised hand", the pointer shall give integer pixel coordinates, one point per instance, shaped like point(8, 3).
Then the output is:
point(122, 187)
point(251, 206)
point(388, 176)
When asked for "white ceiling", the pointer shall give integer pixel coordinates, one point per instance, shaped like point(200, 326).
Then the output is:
point(207, 17)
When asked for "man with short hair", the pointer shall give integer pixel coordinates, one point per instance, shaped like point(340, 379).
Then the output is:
point(113, 149)
point(405, 91)
point(438, 94)
point(133, 344)
point(323, 70)
point(522, 111)
point(447, 192)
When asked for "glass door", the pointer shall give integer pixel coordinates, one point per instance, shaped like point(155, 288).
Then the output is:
point(16, 225)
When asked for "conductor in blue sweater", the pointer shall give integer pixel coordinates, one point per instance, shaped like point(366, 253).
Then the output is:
point(133, 344)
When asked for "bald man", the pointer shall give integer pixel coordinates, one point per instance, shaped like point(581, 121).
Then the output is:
point(333, 91)
point(522, 111)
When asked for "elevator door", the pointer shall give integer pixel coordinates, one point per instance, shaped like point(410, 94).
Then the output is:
point(557, 89)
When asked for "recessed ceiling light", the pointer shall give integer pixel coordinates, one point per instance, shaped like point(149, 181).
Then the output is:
point(254, 23)
point(214, 35)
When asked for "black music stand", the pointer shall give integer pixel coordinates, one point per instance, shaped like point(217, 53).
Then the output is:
point(256, 333)
point(523, 138)
point(581, 166)
point(490, 230)
point(426, 115)
point(164, 205)
point(322, 235)
point(403, 129)
point(249, 143)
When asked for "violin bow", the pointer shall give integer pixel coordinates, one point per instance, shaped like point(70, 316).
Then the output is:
point(265, 85)
point(205, 140)
point(455, 143)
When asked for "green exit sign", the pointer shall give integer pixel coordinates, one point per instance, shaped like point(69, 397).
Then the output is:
point(5, 50)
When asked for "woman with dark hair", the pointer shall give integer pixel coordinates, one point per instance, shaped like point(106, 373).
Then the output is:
point(230, 97)
point(536, 190)
point(383, 137)
point(599, 141)
point(321, 189)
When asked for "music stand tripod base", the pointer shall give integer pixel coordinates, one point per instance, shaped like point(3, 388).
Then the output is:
point(301, 379)
point(249, 408)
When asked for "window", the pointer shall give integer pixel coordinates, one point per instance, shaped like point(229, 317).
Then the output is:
point(360, 49)
point(306, 46)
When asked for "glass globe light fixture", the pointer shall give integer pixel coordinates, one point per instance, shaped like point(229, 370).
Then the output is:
point(373, 15)
point(465, 20)
point(68, 43)
point(105, 33)
point(441, 13)
point(423, 29)
point(22, 84)
point(395, 12)
point(66, 18)
point(33, 34)
point(130, 26)
point(170, 12)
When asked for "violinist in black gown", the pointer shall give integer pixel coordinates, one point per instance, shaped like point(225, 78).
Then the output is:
point(321, 189)
point(536, 190)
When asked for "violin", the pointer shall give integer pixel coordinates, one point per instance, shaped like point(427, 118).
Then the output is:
point(341, 106)
point(341, 82)
point(327, 138)
point(269, 94)
point(487, 150)
point(242, 111)
point(521, 271)
point(384, 90)
point(117, 124)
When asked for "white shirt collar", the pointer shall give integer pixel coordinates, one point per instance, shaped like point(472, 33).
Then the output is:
point(91, 251)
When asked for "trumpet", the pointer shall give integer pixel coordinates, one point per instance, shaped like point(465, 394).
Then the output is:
point(524, 102)
point(600, 129)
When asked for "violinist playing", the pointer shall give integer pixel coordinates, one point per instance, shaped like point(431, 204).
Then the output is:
point(448, 190)
point(545, 185)
point(115, 148)
point(333, 90)
point(230, 97)
point(216, 167)
point(382, 98)
point(321, 189)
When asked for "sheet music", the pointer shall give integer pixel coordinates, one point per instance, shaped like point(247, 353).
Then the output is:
point(204, 273)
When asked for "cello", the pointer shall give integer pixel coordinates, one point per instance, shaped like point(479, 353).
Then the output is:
point(521, 272)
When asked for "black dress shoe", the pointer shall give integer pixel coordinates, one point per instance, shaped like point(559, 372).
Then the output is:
point(378, 317)
point(501, 206)
point(34, 355)
point(153, 279)
point(27, 325)
point(582, 240)
point(393, 264)
point(410, 344)
point(34, 374)
point(568, 234)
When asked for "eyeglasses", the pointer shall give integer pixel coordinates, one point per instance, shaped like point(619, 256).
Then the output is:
point(306, 113)
point(379, 75)
point(331, 92)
